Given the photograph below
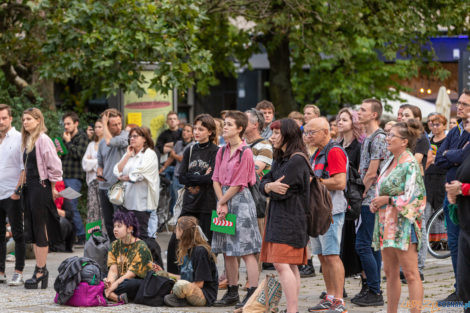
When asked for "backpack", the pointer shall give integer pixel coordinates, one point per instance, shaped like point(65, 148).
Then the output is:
point(354, 187)
point(319, 212)
point(153, 289)
point(96, 248)
point(72, 272)
point(258, 197)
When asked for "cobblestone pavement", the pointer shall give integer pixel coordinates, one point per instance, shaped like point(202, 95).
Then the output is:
point(438, 276)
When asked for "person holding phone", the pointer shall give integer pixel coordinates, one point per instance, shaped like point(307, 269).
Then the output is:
point(138, 169)
point(110, 150)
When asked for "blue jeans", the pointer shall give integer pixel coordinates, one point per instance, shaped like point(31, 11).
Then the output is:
point(75, 184)
point(452, 239)
point(371, 260)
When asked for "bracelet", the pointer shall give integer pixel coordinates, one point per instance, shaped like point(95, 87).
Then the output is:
point(389, 200)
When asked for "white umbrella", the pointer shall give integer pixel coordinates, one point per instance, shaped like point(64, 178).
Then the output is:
point(443, 104)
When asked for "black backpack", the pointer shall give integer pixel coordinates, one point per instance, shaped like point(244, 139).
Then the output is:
point(153, 289)
point(258, 197)
point(354, 187)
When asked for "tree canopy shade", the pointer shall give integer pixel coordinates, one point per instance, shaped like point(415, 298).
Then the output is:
point(325, 52)
point(101, 44)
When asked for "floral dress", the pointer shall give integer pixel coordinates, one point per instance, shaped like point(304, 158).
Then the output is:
point(393, 222)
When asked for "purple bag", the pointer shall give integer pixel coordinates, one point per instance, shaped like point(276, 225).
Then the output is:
point(87, 295)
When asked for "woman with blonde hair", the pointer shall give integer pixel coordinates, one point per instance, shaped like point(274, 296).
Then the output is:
point(43, 169)
point(198, 283)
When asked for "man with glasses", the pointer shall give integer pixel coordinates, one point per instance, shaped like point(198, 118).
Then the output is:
point(110, 151)
point(373, 153)
point(450, 155)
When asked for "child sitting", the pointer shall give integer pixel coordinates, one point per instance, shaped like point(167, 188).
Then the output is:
point(198, 283)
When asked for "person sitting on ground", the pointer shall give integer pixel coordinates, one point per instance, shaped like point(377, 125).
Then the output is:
point(129, 259)
point(198, 283)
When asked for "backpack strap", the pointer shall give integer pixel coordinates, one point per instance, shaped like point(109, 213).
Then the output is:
point(239, 157)
point(256, 142)
point(379, 131)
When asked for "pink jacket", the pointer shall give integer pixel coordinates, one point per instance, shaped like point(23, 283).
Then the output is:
point(49, 164)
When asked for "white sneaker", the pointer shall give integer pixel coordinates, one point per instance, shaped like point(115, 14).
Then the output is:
point(3, 279)
point(16, 280)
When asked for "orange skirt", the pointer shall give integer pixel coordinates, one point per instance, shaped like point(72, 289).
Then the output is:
point(282, 253)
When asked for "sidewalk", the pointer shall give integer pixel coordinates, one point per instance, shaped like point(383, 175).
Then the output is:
point(438, 275)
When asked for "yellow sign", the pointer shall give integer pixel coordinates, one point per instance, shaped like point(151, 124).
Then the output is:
point(134, 118)
point(152, 107)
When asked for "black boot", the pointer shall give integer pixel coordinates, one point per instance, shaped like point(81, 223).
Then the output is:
point(249, 292)
point(230, 297)
point(34, 281)
point(363, 291)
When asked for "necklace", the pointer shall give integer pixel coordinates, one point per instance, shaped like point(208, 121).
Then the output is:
point(124, 252)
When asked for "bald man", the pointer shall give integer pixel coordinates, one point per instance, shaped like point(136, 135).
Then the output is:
point(330, 164)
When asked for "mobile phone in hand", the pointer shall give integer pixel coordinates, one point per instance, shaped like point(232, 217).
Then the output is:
point(101, 177)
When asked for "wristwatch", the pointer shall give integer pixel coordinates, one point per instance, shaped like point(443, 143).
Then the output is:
point(389, 200)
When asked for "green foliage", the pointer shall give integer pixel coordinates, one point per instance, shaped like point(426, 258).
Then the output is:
point(102, 44)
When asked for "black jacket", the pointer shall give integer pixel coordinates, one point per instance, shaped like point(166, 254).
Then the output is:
point(286, 220)
point(192, 173)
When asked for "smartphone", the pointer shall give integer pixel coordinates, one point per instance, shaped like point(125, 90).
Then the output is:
point(101, 177)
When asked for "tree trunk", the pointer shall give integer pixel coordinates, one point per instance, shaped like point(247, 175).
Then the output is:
point(280, 86)
point(45, 88)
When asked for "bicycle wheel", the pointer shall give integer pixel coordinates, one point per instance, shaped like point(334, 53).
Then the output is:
point(437, 235)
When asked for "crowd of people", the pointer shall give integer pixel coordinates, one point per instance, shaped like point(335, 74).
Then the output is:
point(406, 172)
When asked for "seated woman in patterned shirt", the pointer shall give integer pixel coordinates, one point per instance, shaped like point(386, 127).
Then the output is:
point(129, 259)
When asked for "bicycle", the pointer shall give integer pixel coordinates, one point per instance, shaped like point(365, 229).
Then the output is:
point(437, 235)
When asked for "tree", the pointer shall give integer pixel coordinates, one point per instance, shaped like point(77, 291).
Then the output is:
point(328, 52)
point(102, 44)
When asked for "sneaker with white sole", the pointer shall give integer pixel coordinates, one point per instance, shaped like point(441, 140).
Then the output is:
point(3, 279)
point(323, 306)
point(16, 280)
point(337, 307)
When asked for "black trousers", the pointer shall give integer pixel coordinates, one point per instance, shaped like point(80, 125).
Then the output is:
point(107, 211)
point(129, 286)
point(12, 209)
point(463, 267)
point(143, 219)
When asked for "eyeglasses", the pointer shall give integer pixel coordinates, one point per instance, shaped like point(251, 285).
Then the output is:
point(463, 104)
point(311, 132)
point(390, 135)
point(436, 125)
point(134, 136)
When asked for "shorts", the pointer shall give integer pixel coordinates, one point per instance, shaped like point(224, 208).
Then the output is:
point(414, 238)
point(330, 242)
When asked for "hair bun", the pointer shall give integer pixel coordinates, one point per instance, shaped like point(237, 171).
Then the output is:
point(414, 128)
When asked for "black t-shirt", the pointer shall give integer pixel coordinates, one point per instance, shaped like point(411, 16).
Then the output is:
point(463, 202)
point(192, 173)
point(422, 146)
point(201, 267)
point(165, 137)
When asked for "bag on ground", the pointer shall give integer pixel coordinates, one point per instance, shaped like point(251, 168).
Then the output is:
point(266, 297)
point(96, 248)
point(153, 289)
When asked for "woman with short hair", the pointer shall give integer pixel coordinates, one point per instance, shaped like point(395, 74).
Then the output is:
point(43, 169)
point(234, 172)
point(138, 169)
point(129, 259)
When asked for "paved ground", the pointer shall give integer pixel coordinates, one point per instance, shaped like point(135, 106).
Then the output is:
point(438, 275)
